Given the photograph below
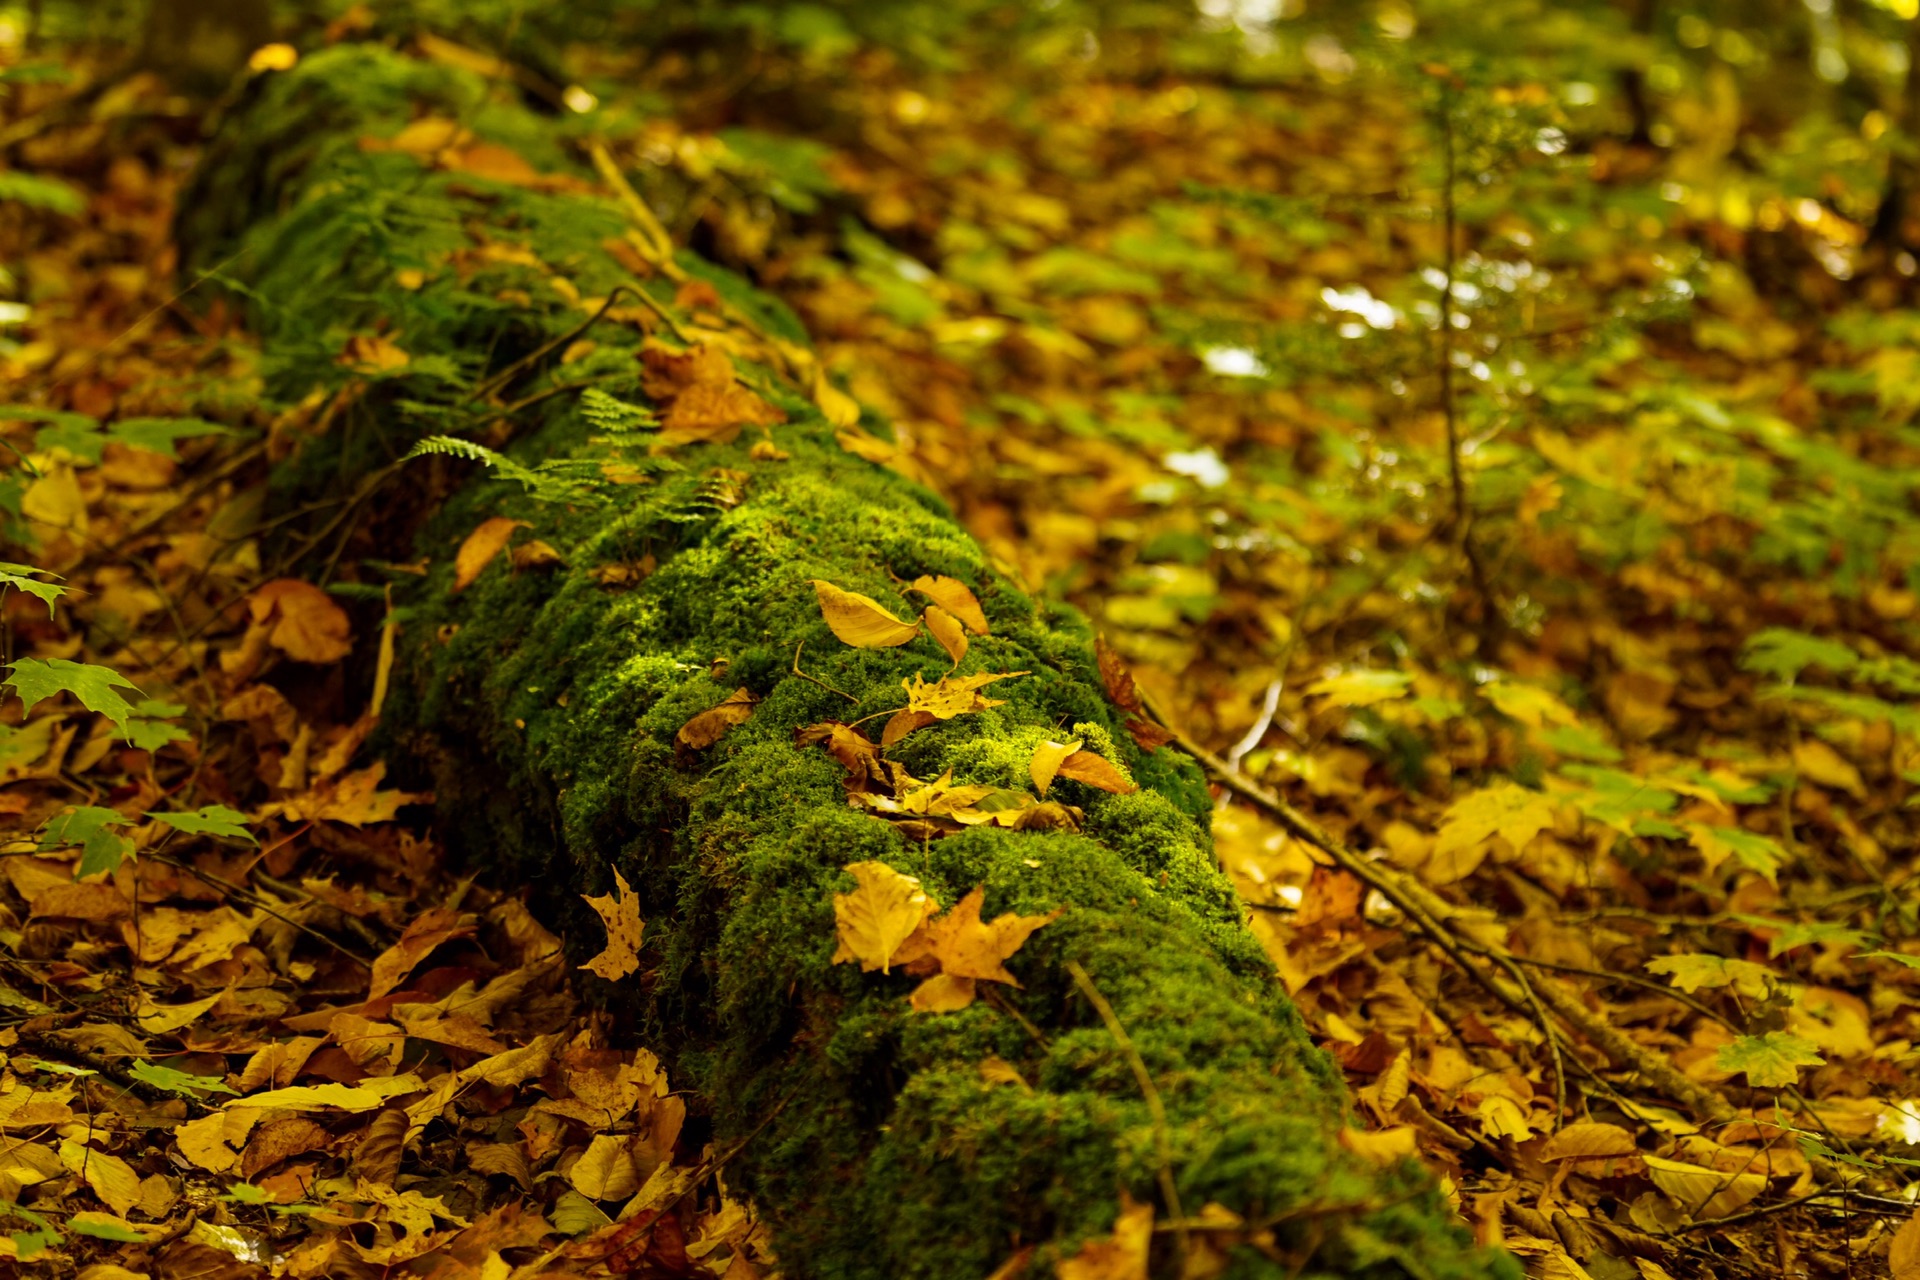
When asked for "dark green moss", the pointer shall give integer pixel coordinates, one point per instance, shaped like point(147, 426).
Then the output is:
point(548, 705)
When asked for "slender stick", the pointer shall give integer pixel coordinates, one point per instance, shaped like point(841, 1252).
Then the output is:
point(1162, 1140)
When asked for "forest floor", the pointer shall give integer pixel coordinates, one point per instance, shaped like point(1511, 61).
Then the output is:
point(1640, 731)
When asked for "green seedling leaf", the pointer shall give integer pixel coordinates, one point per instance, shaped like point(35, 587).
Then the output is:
point(160, 434)
point(101, 1228)
point(1771, 1061)
point(18, 576)
point(1783, 653)
point(209, 820)
point(174, 1081)
point(94, 686)
point(91, 827)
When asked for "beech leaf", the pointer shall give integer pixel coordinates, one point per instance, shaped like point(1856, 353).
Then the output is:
point(488, 540)
point(861, 621)
point(1097, 771)
point(712, 724)
point(957, 599)
point(1046, 762)
point(884, 910)
point(946, 629)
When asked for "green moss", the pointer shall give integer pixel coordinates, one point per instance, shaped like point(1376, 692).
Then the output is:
point(548, 704)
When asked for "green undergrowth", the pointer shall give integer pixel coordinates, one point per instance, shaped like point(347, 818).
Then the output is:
point(546, 700)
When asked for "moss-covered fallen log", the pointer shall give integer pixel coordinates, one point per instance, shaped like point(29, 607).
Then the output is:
point(408, 235)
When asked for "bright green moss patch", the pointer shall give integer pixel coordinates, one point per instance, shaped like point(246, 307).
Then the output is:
point(546, 704)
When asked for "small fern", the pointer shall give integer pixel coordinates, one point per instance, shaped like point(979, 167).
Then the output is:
point(606, 413)
point(561, 481)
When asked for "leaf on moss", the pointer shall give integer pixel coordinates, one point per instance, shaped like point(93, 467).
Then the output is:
point(859, 620)
point(705, 401)
point(1123, 693)
point(883, 911)
point(1097, 771)
point(857, 753)
point(953, 695)
point(620, 912)
point(901, 723)
point(947, 631)
point(712, 724)
point(1046, 762)
point(1771, 1061)
point(943, 993)
point(968, 947)
point(957, 599)
point(479, 548)
point(1120, 1256)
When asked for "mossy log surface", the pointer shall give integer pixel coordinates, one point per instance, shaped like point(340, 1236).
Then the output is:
point(546, 702)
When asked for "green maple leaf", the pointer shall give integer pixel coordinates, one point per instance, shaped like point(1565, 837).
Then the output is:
point(159, 434)
point(17, 577)
point(91, 827)
point(1770, 1061)
point(36, 681)
point(1755, 852)
point(1794, 934)
point(1784, 653)
point(209, 820)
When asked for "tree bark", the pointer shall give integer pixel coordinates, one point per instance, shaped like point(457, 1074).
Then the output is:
point(546, 700)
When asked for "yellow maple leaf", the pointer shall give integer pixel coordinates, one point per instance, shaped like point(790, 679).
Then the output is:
point(1509, 811)
point(883, 911)
point(620, 911)
point(968, 947)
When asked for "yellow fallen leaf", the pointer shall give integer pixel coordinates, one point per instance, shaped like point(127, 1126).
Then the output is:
point(1120, 1256)
point(956, 598)
point(1704, 1193)
point(371, 353)
point(946, 629)
point(712, 724)
point(1501, 1117)
point(883, 911)
point(110, 1177)
point(1046, 762)
point(605, 1171)
point(1532, 706)
point(1827, 767)
point(488, 540)
point(158, 1019)
point(942, 993)
point(369, 1095)
point(860, 620)
point(1589, 1142)
point(620, 911)
point(1097, 771)
point(273, 57)
point(1903, 1253)
point(1507, 810)
point(54, 501)
point(214, 1142)
point(1383, 1146)
point(954, 695)
point(969, 947)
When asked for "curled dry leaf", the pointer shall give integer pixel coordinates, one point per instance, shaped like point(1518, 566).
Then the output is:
point(1123, 693)
point(620, 911)
point(957, 599)
point(300, 620)
point(487, 540)
point(860, 620)
point(884, 910)
point(946, 629)
point(1096, 771)
point(712, 724)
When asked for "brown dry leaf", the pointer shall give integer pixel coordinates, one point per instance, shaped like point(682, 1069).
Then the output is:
point(301, 620)
point(1046, 762)
point(428, 930)
point(860, 620)
point(377, 1158)
point(1118, 680)
point(946, 629)
point(712, 724)
point(355, 799)
point(902, 723)
point(857, 753)
point(620, 912)
point(280, 1140)
point(371, 353)
point(956, 598)
point(110, 1177)
point(968, 947)
point(876, 919)
point(1120, 1256)
point(705, 401)
point(488, 540)
point(1096, 771)
point(534, 555)
point(1903, 1254)
point(158, 1019)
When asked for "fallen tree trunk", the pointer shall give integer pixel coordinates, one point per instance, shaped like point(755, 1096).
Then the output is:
point(425, 252)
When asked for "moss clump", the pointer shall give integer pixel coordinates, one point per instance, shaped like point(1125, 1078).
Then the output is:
point(549, 704)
